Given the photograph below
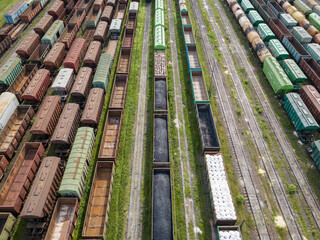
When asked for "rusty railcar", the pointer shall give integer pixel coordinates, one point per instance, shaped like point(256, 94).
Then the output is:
point(107, 14)
point(92, 110)
point(28, 45)
point(119, 92)
point(39, 54)
point(55, 57)
point(76, 54)
point(3, 165)
point(56, 9)
point(47, 117)
point(12, 133)
point(81, 86)
point(40, 201)
point(44, 24)
point(31, 12)
point(128, 38)
point(17, 184)
point(101, 32)
point(311, 97)
point(124, 61)
point(93, 54)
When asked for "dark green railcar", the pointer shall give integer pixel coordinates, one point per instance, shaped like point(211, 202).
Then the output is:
point(293, 71)
point(316, 153)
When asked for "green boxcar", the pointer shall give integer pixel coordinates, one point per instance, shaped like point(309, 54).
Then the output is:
point(265, 32)
point(159, 4)
point(277, 78)
point(101, 77)
point(159, 18)
point(74, 177)
point(246, 6)
point(302, 7)
point(93, 21)
point(277, 49)
point(7, 222)
point(314, 50)
point(53, 33)
point(255, 18)
point(316, 153)
point(315, 20)
point(10, 70)
point(287, 20)
point(159, 38)
point(301, 34)
point(293, 71)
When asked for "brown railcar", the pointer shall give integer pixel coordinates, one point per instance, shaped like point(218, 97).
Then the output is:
point(28, 45)
point(5, 42)
point(40, 201)
point(124, 61)
point(128, 38)
point(76, 19)
point(22, 81)
point(81, 86)
point(31, 12)
point(112, 3)
point(68, 34)
point(55, 57)
point(63, 219)
point(131, 21)
point(56, 9)
point(101, 32)
point(12, 133)
point(92, 111)
point(312, 70)
point(39, 54)
point(111, 136)
point(37, 87)
point(107, 14)
point(3, 165)
point(119, 92)
point(93, 54)
point(84, 5)
point(311, 98)
point(67, 126)
point(98, 4)
point(20, 177)
point(44, 24)
point(5, 29)
point(47, 117)
point(76, 54)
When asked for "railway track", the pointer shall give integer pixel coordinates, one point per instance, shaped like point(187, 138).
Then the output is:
point(304, 186)
point(229, 119)
point(133, 229)
point(274, 178)
point(189, 207)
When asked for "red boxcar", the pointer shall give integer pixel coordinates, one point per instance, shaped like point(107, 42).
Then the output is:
point(56, 9)
point(44, 24)
point(28, 45)
point(101, 32)
point(92, 111)
point(93, 54)
point(81, 86)
point(55, 57)
point(75, 54)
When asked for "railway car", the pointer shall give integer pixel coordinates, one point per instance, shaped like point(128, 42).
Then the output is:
point(16, 186)
point(37, 87)
point(315, 20)
point(115, 28)
point(93, 54)
point(8, 104)
point(301, 35)
point(160, 67)
point(55, 57)
point(7, 223)
point(63, 83)
point(3, 165)
point(13, 131)
point(92, 110)
point(295, 48)
point(278, 50)
point(42, 2)
point(161, 140)
point(159, 4)
point(76, 19)
point(63, 219)
point(132, 16)
point(85, 5)
point(128, 38)
point(124, 61)
point(107, 14)
point(44, 24)
point(12, 16)
point(53, 33)
point(47, 116)
point(111, 3)
point(28, 45)
point(5, 42)
point(95, 223)
point(98, 4)
point(103, 71)
point(311, 98)
point(93, 18)
point(66, 128)
point(293, 71)
point(22, 81)
point(81, 87)
point(160, 95)
point(255, 18)
point(279, 28)
point(276, 8)
point(119, 92)
point(310, 29)
point(39, 203)
point(159, 39)
point(312, 70)
point(199, 89)
point(9, 70)
point(265, 32)
point(56, 9)
point(111, 136)
point(219, 189)
point(74, 178)
point(159, 18)
point(76, 54)
point(101, 32)
point(39, 54)
point(302, 7)
point(228, 232)
point(68, 35)
point(300, 116)
point(192, 58)
point(31, 12)
point(314, 50)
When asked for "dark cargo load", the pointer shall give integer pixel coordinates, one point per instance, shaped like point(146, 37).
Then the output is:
point(160, 94)
point(312, 69)
point(160, 139)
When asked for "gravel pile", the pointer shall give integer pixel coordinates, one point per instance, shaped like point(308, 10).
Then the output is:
point(160, 63)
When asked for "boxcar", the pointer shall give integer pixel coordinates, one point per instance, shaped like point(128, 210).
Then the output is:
point(28, 45)
point(67, 126)
point(44, 24)
point(5, 42)
point(101, 32)
point(85, 5)
point(111, 136)
point(119, 92)
point(159, 38)
point(107, 14)
point(76, 54)
point(93, 18)
point(56, 9)
point(55, 57)
point(47, 117)
point(98, 4)
point(9, 70)
point(39, 203)
point(53, 33)
point(75, 175)
point(3, 165)
point(92, 110)
point(314, 50)
point(93, 54)
point(22, 81)
point(39, 54)
point(37, 87)
point(8, 104)
point(20, 177)
point(293, 71)
point(81, 86)
point(95, 223)
point(63, 219)
point(311, 98)
point(7, 221)
point(316, 153)
point(12, 16)
point(31, 12)
point(115, 28)
point(12, 133)
point(63, 82)
point(103, 71)
point(111, 3)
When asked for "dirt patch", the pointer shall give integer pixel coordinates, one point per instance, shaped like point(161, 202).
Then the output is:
point(279, 221)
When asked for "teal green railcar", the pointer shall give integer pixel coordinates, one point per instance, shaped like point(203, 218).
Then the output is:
point(53, 33)
point(159, 18)
point(293, 71)
point(246, 6)
point(316, 153)
point(103, 71)
point(7, 222)
point(265, 32)
point(159, 4)
point(277, 49)
point(159, 38)
point(315, 20)
point(255, 18)
point(10, 70)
